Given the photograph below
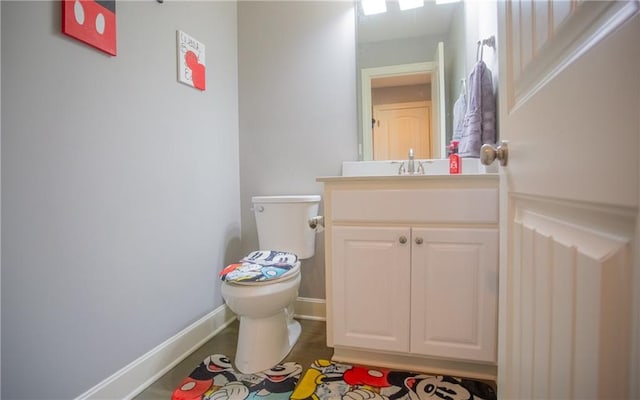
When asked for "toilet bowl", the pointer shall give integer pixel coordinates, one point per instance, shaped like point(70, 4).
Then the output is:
point(262, 288)
point(267, 332)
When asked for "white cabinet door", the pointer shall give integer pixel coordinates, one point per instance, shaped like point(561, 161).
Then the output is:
point(371, 272)
point(454, 293)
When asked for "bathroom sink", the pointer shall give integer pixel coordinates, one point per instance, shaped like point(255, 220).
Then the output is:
point(431, 167)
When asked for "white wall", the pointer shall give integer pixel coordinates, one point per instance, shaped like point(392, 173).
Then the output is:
point(477, 20)
point(120, 190)
point(455, 55)
point(297, 106)
point(481, 22)
point(398, 51)
point(121, 194)
point(399, 94)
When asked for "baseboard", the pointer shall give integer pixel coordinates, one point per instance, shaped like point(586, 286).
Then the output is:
point(415, 363)
point(137, 376)
point(309, 308)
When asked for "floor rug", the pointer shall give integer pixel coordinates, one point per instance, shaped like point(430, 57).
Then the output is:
point(326, 380)
point(215, 379)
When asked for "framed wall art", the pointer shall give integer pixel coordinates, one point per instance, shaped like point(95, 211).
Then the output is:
point(191, 61)
point(92, 22)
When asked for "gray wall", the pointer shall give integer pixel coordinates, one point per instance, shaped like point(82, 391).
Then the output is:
point(398, 51)
point(123, 190)
point(120, 190)
point(297, 106)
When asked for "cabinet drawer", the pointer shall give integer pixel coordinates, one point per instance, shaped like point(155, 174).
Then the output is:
point(477, 205)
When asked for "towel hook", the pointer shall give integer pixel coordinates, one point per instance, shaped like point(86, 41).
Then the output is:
point(490, 41)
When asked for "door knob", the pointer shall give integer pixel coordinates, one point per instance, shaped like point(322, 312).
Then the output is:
point(488, 153)
point(419, 240)
point(403, 239)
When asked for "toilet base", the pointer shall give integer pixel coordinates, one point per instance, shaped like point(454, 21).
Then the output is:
point(294, 329)
point(264, 342)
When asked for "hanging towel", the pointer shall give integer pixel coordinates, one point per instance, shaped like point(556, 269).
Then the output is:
point(479, 125)
point(459, 111)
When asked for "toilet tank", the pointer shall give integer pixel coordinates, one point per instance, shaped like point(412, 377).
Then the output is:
point(283, 223)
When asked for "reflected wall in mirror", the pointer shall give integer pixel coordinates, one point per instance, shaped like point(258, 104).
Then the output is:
point(411, 64)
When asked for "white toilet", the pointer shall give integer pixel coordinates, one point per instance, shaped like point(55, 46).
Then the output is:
point(261, 298)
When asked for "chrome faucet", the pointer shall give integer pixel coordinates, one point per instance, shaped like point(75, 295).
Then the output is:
point(411, 166)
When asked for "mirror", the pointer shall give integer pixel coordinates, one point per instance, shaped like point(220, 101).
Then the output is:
point(410, 65)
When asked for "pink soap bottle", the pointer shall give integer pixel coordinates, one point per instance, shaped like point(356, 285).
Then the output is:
point(454, 158)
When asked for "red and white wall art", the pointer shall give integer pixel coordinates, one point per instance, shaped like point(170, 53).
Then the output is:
point(191, 63)
point(92, 22)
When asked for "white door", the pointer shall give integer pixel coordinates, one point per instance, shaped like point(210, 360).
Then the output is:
point(570, 111)
point(400, 127)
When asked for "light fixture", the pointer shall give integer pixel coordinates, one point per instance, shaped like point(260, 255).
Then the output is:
point(409, 4)
point(370, 7)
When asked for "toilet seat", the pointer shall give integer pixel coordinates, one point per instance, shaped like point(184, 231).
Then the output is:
point(262, 268)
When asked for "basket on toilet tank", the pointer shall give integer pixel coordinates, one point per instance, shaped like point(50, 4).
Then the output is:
point(282, 223)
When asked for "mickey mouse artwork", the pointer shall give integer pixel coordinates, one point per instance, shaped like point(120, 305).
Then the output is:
point(328, 380)
point(191, 61)
point(92, 22)
point(215, 379)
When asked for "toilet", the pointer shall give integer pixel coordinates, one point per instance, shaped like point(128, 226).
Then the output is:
point(262, 287)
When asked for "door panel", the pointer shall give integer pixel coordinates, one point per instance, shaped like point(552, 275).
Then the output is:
point(572, 286)
point(573, 102)
point(569, 93)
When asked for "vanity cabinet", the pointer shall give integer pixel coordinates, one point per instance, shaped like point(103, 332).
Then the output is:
point(412, 269)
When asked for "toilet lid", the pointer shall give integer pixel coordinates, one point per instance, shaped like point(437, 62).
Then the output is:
point(261, 266)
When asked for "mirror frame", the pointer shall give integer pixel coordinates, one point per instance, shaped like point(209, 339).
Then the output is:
point(367, 75)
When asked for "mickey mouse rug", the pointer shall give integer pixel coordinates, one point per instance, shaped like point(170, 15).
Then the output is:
point(326, 380)
point(215, 379)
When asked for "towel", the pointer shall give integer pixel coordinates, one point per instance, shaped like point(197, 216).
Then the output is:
point(459, 111)
point(479, 125)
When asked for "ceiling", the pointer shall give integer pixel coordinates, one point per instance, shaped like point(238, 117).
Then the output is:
point(432, 19)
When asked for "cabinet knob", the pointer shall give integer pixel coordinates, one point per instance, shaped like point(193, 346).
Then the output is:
point(419, 240)
point(403, 239)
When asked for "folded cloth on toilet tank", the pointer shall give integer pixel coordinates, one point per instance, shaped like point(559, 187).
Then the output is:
point(261, 265)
